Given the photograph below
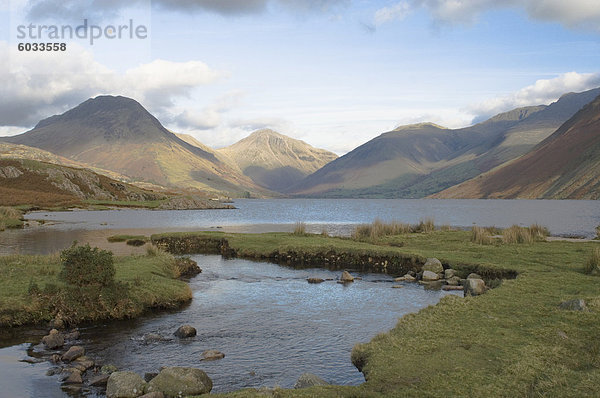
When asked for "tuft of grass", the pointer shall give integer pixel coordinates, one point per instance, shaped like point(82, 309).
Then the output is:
point(324, 233)
point(425, 226)
point(598, 232)
point(481, 236)
point(10, 218)
point(300, 229)
point(517, 234)
point(378, 229)
point(445, 228)
point(592, 266)
point(493, 230)
point(124, 238)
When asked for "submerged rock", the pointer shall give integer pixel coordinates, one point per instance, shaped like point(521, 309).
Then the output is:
point(212, 355)
point(74, 377)
point(346, 277)
point(185, 331)
point(73, 353)
point(125, 385)
point(315, 280)
point(309, 380)
point(406, 278)
point(177, 382)
point(53, 340)
point(434, 265)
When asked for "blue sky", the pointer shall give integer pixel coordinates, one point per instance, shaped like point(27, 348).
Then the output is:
point(334, 73)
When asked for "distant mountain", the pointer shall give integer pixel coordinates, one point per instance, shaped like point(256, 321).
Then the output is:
point(566, 165)
point(275, 161)
point(419, 160)
point(118, 134)
point(31, 182)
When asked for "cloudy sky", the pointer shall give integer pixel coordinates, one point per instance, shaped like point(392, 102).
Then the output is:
point(334, 73)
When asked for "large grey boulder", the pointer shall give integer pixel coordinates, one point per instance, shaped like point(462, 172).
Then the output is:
point(429, 276)
point(185, 331)
point(177, 382)
point(125, 385)
point(434, 265)
point(474, 287)
point(309, 380)
point(53, 340)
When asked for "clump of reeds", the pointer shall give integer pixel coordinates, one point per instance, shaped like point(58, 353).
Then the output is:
point(300, 229)
point(517, 234)
point(378, 229)
point(481, 236)
point(592, 266)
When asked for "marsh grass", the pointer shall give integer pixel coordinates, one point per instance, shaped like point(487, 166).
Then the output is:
point(517, 234)
point(124, 238)
point(379, 229)
point(300, 229)
point(592, 265)
point(481, 236)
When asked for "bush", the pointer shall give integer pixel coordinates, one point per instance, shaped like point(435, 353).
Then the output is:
point(593, 264)
point(84, 266)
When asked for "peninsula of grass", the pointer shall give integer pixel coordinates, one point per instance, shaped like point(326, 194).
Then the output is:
point(513, 341)
point(32, 290)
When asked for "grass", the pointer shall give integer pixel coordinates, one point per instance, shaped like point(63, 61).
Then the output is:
point(513, 341)
point(10, 217)
point(125, 238)
point(32, 292)
point(592, 266)
point(598, 232)
point(517, 234)
point(300, 229)
point(481, 236)
point(379, 229)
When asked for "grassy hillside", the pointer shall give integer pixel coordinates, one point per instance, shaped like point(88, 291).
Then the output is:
point(564, 166)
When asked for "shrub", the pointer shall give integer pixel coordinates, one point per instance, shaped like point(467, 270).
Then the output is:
point(300, 229)
point(592, 266)
point(84, 266)
point(481, 236)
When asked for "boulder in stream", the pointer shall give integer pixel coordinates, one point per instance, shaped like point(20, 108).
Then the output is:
point(73, 353)
point(178, 381)
point(53, 340)
point(212, 355)
point(185, 331)
point(125, 385)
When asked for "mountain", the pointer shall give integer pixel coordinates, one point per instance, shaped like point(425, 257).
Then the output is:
point(31, 182)
point(275, 161)
point(419, 160)
point(566, 165)
point(118, 134)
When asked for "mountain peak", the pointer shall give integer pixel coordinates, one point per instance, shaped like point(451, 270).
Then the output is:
point(418, 126)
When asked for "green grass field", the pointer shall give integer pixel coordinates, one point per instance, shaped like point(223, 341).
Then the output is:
point(31, 291)
point(513, 341)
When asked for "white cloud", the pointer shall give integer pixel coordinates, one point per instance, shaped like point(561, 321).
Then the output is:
point(573, 13)
point(395, 12)
point(37, 85)
point(542, 92)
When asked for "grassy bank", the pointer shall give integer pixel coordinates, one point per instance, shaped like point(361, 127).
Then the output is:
point(512, 341)
point(10, 217)
point(31, 290)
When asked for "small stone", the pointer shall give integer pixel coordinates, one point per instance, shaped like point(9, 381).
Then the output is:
point(429, 276)
point(99, 380)
point(346, 277)
point(449, 273)
point(315, 280)
point(562, 335)
point(74, 377)
point(185, 331)
point(53, 340)
point(474, 287)
point(573, 305)
point(454, 281)
point(108, 369)
point(73, 353)
point(452, 287)
point(212, 355)
point(397, 287)
point(406, 278)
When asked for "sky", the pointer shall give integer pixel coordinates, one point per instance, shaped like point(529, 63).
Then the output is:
point(334, 73)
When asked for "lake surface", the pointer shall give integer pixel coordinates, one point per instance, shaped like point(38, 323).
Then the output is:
point(337, 216)
point(271, 324)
